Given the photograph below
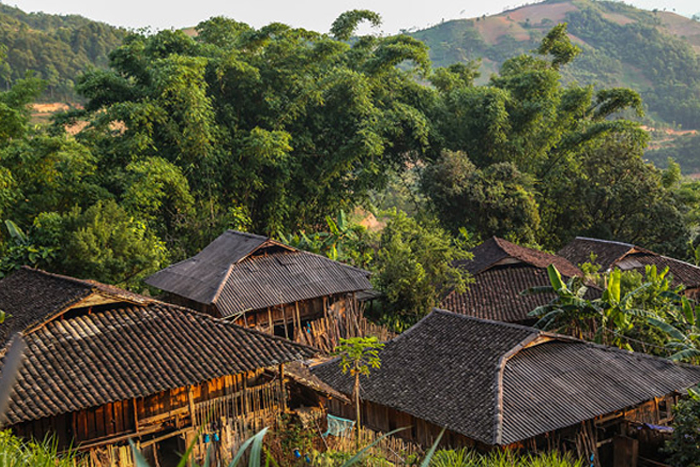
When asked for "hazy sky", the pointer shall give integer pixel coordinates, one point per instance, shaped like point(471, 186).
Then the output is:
point(311, 14)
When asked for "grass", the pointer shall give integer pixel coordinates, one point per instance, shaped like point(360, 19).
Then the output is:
point(15, 452)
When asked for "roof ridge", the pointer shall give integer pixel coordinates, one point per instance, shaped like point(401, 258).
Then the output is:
point(62, 277)
point(95, 286)
point(614, 242)
point(483, 320)
point(500, 371)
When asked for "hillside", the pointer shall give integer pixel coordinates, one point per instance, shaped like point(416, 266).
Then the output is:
point(58, 48)
point(656, 53)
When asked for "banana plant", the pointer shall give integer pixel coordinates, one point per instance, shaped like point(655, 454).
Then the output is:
point(680, 324)
point(570, 312)
point(605, 320)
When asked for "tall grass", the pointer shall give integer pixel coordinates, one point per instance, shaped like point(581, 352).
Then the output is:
point(467, 458)
point(15, 452)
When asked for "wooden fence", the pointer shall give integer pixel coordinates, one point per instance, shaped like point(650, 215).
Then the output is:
point(395, 450)
point(226, 422)
point(342, 320)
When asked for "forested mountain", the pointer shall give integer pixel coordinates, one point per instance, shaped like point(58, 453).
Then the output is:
point(58, 48)
point(653, 52)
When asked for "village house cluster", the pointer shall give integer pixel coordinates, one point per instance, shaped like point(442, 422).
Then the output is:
point(243, 332)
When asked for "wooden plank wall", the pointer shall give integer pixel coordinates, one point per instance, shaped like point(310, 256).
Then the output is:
point(165, 410)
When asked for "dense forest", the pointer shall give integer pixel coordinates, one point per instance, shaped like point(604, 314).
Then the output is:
point(57, 48)
point(284, 131)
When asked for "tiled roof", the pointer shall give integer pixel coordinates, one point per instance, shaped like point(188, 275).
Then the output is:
point(496, 250)
point(495, 294)
point(610, 254)
point(447, 370)
point(501, 271)
point(118, 354)
point(30, 296)
point(267, 274)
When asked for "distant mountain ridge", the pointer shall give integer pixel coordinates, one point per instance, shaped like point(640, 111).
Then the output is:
point(654, 52)
point(58, 48)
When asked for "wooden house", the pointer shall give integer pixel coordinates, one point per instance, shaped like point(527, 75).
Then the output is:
point(609, 255)
point(261, 283)
point(494, 385)
point(103, 366)
point(501, 271)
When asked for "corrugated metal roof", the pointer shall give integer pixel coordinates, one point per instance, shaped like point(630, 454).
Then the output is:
point(558, 384)
point(198, 278)
point(446, 370)
point(240, 272)
point(264, 281)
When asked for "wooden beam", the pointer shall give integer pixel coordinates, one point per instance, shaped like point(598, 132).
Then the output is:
point(164, 437)
point(282, 388)
point(190, 400)
point(284, 315)
point(136, 416)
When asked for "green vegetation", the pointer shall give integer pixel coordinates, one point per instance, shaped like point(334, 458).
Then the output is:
point(653, 53)
point(684, 445)
point(280, 130)
point(467, 458)
point(685, 150)
point(358, 356)
point(57, 48)
point(635, 313)
point(17, 453)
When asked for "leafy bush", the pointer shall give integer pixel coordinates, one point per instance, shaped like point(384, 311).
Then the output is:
point(684, 446)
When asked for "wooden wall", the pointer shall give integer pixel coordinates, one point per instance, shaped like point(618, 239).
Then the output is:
point(384, 419)
point(381, 418)
point(136, 417)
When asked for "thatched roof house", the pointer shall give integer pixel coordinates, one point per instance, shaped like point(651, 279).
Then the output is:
point(103, 365)
point(610, 255)
point(498, 384)
point(501, 271)
point(260, 282)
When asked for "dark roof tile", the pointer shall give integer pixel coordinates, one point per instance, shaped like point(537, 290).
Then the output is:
point(30, 296)
point(90, 360)
point(445, 370)
point(610, 254)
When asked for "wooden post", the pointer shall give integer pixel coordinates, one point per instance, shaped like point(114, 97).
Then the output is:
point(284, 316)
point(283, 392)
point(190, 400)
point(269, 321)
point(301, 331)
point(136, 416)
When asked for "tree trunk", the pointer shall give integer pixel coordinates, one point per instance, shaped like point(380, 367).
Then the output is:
point(357, 409)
